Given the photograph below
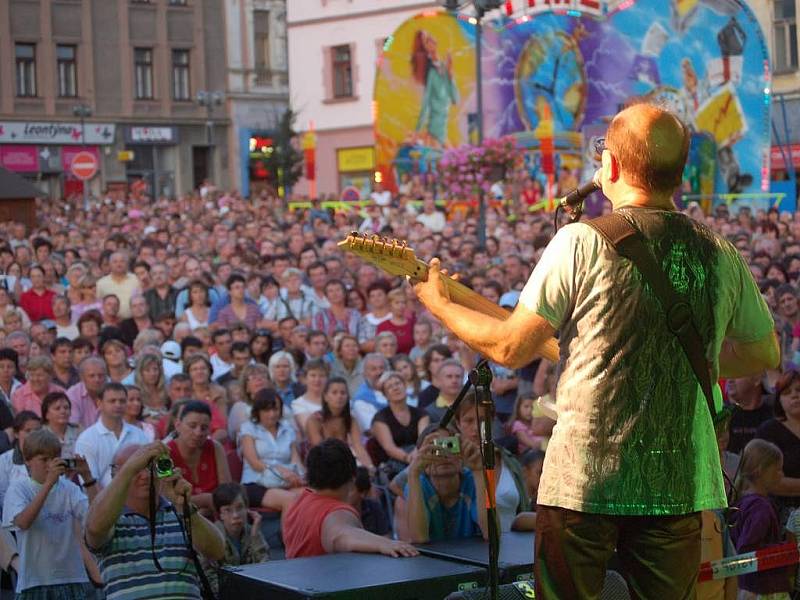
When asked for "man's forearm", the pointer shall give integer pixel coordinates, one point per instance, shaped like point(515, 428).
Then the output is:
point(788, 486)
point(475, 329)
point(355, 539)
point(25, 519)
point(106, 508)
point(744, 359)
point(206, 538)
point(415, 511)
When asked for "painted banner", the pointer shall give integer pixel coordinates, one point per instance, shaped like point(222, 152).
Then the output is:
point(562, 74)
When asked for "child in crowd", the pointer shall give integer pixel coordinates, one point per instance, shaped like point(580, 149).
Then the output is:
point(43, 511)
point(244, 543)
point(373, 516)
point(756, 525)
point(525, 427)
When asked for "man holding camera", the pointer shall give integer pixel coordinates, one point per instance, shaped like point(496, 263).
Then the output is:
point(445, 489)
point(118, 530)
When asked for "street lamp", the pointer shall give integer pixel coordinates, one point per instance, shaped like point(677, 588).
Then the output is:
point(209, 100)
point(481, 8)
point(83, 111)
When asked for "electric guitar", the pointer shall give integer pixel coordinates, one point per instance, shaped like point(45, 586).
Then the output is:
point(396, 258)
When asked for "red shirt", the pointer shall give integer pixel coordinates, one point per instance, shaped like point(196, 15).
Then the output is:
point(302, 523)
point(207, 476)
point(37, 306)
point(403, 333)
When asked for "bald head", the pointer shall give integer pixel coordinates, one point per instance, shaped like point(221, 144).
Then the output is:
point(650, 144)
point(124, 453)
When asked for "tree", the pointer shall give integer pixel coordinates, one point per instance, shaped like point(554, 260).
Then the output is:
point(285, 163)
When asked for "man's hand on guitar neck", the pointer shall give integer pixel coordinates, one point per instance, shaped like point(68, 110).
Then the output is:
point(432, 292)
point(512, 342)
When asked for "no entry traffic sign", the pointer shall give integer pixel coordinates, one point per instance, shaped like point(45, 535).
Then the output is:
point(84, 165)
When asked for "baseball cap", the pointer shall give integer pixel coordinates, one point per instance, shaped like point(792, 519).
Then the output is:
point(510, 299)
point(49, 324)
point(171, 350)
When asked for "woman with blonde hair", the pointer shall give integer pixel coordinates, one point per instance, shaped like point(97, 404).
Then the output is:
point(149, 378)
point(254, 378)
point(88, 297)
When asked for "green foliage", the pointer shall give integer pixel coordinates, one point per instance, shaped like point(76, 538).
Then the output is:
point(285, 163)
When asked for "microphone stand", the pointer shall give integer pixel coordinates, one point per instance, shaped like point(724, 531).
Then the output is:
point(481, 378)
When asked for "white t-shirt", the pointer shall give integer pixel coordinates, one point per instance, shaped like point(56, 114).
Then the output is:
point(304, 406)
point(383, 198)
point(435, 221)
point(634, 435)
point(507, 496)
point(98, 444)
point(49, 552)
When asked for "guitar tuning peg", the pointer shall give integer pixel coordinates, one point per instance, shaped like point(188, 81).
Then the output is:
point(394, 247)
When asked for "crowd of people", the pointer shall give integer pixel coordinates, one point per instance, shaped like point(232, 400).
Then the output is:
point(282, 375)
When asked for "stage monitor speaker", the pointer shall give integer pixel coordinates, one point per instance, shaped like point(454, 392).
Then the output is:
point(615, 588)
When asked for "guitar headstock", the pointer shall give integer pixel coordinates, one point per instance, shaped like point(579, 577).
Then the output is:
point(393, 256)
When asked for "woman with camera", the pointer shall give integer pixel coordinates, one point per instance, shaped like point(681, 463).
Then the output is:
point(201, 460)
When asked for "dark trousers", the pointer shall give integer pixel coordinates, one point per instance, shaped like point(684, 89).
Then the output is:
point(659, 556)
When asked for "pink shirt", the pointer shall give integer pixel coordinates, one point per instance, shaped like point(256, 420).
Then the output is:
point(84, 408)
point(24, 398)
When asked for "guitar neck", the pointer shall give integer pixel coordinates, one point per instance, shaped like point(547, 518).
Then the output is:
point(461, 294)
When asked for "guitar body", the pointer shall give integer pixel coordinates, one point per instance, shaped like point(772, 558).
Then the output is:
point(396, 258)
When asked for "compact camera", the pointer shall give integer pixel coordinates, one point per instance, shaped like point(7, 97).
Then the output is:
point(446, 445)
point(163, 466)
point(70, 463)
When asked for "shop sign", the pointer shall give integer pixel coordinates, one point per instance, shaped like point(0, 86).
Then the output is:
point(351, 160)
point(778, 152)
point(151, 135)
point(21, 159)
point(34, 132)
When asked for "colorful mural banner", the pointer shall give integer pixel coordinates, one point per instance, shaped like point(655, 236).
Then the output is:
point(562, 75)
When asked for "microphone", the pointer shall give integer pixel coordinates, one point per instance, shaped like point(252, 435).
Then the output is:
point(576, 197)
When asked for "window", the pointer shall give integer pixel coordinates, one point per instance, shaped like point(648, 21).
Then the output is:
point(143, 73)
point(342, 72)
point(181, 90)
point(785, 34)
point(67, 68)
point(26, 69)
point(261, 46)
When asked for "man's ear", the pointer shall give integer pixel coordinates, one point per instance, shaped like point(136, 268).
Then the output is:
point(613, 167)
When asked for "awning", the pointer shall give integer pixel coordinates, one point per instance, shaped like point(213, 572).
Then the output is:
point(778, 152)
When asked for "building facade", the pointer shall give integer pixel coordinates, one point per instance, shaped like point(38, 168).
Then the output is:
point(333, 49)
point(258, 85)
point(120, 79)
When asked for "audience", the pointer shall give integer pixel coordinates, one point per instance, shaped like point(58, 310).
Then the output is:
point(247, 340)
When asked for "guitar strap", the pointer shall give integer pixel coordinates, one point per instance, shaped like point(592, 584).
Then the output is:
point(628, 241)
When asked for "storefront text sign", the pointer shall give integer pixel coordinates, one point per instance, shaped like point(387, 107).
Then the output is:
point(34, 132)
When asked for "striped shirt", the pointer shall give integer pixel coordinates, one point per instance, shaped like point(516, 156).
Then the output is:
point(126, 560)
